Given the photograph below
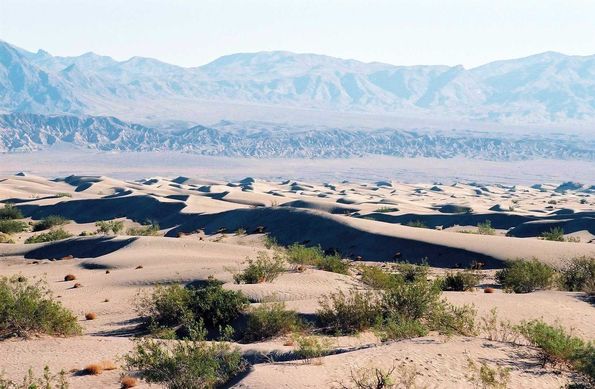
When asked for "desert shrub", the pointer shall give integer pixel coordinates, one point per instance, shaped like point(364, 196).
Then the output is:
point(411, 300)
point(270, 242)
point(50, 236)
point(497, 330)
point(521, 276)
point(302, 255)
point(49, 222)
point(555, 234)
point(261, 269)
point(128, 382)
point(12, 226)
point(30, 381)
point(450, 319)
point(188, 308)
point(376, 378)
point(460, 281)
point(386, 209)
point(90, 316)
point(63, 194)
point(397, 327)
point(269, 320)
point(412, 273)
point(10, 212)
point(342, 313)
point(559, 347)
point(113, 226)
point(185, 364)
point(579, 275)
point(485, 228)
point(5, 238)
point(377, 278)
point(416, 224)
point(333, 263)
point(28, 308)
point(484, 376)
point(311, 347)
point(241, 231)
point(148, 230)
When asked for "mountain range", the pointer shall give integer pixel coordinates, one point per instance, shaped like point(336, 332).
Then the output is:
point(548, 89)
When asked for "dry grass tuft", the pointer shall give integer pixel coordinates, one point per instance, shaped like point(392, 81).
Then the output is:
point(488, 290)
point(90, 316)
point(128, 382)
point(93, 369)
point(69, 277)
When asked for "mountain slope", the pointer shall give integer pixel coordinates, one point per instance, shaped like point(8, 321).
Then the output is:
point(541, 89)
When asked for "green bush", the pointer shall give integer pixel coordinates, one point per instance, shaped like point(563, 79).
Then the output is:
point(311, 347)
point(302, 255)
point(485, 228)
point(412, 300)
point(262, 269)
point(4, 238)
point(188, 308)
point(450, 319)
point(460, 281)
point(27, 309)
point(13, 226)
point(10, 212)
point(386, 209)
point(270, 320)
point(185, 364)
point(53, 235)
point(49, 222)
point(559, 347)
point(113, 226)
point(412, 273)
point(416, 224)
point(521, 276)
point(149, 230)
point(377, 278)
point(333, 263)
point(579, 275)
point(341, 313)
point(555, 233)
point(30, 381)
point(396, 327)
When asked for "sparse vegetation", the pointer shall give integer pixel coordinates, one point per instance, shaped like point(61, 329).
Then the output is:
point(579, 275)
point(30, 381)
point(487, 377)
point(63, 194)
point(333, 263)
point(10, 212)
point(377, 278)
point(28, 308)
point(311, 348)
point(10, 226)
point(50, 221)
point(110, 226)
point(377, 378)
point(148, 230)
point(555, 234)
point(5, 238)
point(185, 364)
point(386, 209)
point(50, 236)
point(522, 276)
point(341, 313)
point(416, 224)
point(411, 272)
point(314, 256)
point(262, 269)
point(460, 281)
point(270, 320)
point(485, 228)
point(270, 242)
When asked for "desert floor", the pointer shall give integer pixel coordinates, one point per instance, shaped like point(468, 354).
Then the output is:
point(365, 222)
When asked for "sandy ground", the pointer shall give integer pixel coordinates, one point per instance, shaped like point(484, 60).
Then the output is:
point(364, 221)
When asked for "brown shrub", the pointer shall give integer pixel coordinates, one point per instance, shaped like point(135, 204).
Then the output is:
point(69, 277)
point(139, 267)
point(93, 369)
point(488, 290)
point(107, 272)
point(90, 316)
point(77, 285)
point(128, 382)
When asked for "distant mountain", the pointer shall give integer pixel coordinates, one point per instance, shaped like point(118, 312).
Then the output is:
point(28, 132)
point(541, 89)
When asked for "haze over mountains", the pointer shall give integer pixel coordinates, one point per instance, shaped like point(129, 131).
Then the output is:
point(545, 89)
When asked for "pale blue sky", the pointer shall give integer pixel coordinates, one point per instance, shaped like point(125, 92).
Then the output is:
point(194, 32)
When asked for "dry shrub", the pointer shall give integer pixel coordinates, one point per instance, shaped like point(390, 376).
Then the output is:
point(77, 285)
point(488, 290)
point(128, 382)
point(93, 369)
point(90, 316)
point(69, 277)
point(139, 267)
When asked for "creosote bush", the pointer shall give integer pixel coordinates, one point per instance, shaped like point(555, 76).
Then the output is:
point(579, 275)
point(188, 309)
point(30, 381)
point(299, 254)
point(50, 221)
point(555, 233)
point(342, 313)
point(262, 269)
point(460, 281)
point(377, 278)
point(416, 224)
point(110, 226)
point(10, 212)
point(311, 348)
point(148, 230)
point(270, 320)
point(53, 235)
point(185, 364)
point(13, 226)
point(5, 238)
point(485, 228)
point(522, 276)
point(28, 308)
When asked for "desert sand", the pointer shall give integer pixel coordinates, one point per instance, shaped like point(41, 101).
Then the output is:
point(365, 222)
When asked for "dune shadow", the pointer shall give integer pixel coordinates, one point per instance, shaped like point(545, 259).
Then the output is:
point(79, 248)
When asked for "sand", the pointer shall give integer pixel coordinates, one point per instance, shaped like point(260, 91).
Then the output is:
point(364, 221)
